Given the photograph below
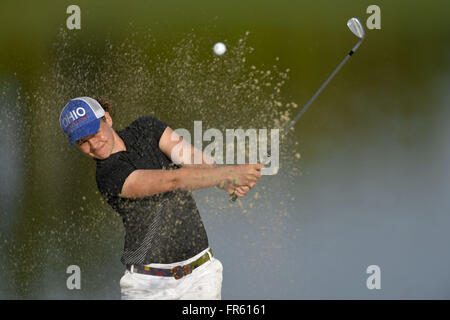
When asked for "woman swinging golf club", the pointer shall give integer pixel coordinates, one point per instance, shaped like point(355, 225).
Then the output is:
point(166, 250)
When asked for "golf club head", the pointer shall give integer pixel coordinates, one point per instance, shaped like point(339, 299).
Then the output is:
point(356, 27)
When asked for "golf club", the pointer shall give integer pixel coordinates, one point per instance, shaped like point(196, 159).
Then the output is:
point(357, 29)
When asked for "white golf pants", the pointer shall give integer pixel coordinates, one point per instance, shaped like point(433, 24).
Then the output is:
point(204, 283)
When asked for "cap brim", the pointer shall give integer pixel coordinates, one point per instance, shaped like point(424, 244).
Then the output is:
point(86, 130)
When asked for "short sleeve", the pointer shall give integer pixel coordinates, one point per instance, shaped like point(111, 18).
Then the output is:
point(111, 177)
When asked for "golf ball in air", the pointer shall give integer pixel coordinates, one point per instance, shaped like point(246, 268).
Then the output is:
point(219, 48)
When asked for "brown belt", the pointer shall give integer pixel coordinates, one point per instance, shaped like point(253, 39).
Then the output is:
point(177, 272)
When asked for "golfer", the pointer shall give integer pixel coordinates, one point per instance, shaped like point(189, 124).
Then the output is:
point(149, 183)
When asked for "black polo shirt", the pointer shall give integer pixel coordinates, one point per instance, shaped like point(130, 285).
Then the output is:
point(161, 228)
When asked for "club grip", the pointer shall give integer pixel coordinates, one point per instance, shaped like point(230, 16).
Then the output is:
point(233, 197)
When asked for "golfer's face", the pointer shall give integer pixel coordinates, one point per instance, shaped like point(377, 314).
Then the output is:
point(98, 145)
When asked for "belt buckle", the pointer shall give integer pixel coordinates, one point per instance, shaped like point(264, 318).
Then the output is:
point(178, 272)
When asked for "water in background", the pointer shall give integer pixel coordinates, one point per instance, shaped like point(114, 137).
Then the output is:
point(189, 84)
point(363, 178)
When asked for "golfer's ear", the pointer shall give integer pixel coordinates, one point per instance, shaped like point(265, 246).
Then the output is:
point(108, 119)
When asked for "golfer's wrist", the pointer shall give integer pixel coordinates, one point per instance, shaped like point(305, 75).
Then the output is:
point(224, 177)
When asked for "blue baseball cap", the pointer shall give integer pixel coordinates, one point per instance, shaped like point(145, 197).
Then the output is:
point(80, 118)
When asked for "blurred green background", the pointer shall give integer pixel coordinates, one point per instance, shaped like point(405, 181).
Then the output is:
point(370, 187)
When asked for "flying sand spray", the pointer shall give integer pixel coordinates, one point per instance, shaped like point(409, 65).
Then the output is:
point(357, 29)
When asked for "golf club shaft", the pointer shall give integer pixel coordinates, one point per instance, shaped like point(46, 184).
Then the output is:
point(286, 130)
point(233, 197)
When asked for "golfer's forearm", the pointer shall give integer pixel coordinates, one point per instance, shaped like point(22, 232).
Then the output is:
point(203, 165)
point(195, 178)
point(142, 183)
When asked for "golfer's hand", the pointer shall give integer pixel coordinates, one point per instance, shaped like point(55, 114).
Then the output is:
point(243, 178)
point(246, 175)
point(242, 190)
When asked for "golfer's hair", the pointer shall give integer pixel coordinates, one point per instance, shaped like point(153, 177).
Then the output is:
point(106, 105)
